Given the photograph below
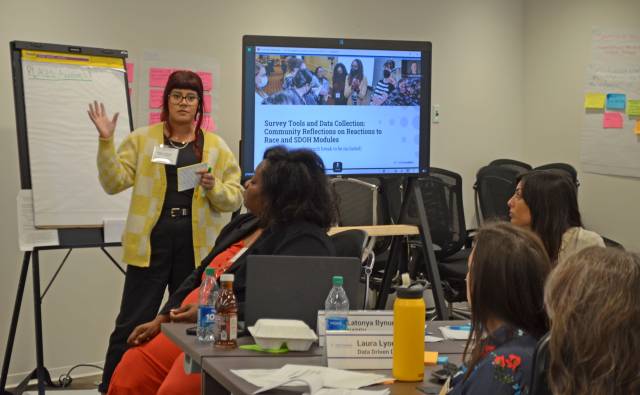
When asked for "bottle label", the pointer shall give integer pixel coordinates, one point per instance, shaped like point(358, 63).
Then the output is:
point(233, 327)
point(337, 323)
point(206, 315)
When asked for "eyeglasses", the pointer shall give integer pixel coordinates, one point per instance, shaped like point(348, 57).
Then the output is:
point(176, 98)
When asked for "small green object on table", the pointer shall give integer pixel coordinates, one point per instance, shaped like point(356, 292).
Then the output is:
point(254, 347)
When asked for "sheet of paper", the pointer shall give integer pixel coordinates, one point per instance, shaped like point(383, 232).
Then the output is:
point(154, 117)
point(188, 177)
point(207, 103)
point(432, 339)
point(333, 391)
point(594, 101)
point(454, 334)
point(130, 69)
point(633, 108)
point(312, 382)
point(158, 76)
point(28, 235)
point(155, 98)
point(616, 101)
point(331, 378)
point(112, 229)
point(612, 120)
point(207, 80)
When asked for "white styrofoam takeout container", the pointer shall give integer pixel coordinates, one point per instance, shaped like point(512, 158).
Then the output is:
point(271, 333)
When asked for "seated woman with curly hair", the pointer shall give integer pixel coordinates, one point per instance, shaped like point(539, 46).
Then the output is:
point(290, 210)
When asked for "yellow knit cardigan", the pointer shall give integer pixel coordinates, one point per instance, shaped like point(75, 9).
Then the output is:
point(131, 166)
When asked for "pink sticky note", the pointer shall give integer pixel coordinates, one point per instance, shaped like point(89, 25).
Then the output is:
point(154, 117)
point(130, 72)
point(208, 123)
point(155, 98)
point(207, 80)
point(612, 120)
point(158, 76)
point(207, 103)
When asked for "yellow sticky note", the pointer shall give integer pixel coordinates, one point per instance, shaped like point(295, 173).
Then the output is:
point(430, 357)
point(594, 100)
point(637, 128)
point(633, 108)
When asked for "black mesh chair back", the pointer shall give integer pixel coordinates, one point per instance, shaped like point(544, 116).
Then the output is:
point(442, 196)
point(494, 187)
point(357, 202)
point(563, 167)
point(539, 384)
point(512, 164)
point(350, 243)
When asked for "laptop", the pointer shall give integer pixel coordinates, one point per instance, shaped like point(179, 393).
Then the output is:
point(295, 287)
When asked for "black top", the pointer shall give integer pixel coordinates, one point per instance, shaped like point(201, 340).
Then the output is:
point(186, 157)
point(299, 239)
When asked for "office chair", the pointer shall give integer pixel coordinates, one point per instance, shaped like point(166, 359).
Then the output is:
point(563, 167)
point(442, 196)
point(352, 243)
point(360, 203)
point(512, 164)
point(494, 186)
point(539, 384)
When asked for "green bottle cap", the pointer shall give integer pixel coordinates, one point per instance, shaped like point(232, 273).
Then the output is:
point(337, 280)
point(210, 271)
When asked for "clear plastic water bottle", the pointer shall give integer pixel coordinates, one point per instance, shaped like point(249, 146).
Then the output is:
point(336, 306)
point(206, 307)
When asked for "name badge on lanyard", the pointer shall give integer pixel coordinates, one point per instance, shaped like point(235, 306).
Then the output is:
point(164, 155)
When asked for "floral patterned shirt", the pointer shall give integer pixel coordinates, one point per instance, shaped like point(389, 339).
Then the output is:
point(505, 369)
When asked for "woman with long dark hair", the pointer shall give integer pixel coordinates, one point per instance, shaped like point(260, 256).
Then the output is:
point(593, 301)
point(507, 270)
point(168, 232)
point(546, 201)
point(338, 80)
point(290, 210)
point(355, 89)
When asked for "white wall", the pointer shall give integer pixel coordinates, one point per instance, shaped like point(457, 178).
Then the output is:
point(478, 82)
point(557, 51)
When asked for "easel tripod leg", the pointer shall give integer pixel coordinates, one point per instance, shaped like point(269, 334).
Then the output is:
point(14, 322)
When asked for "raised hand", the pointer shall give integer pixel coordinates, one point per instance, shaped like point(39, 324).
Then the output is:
point(106, 127)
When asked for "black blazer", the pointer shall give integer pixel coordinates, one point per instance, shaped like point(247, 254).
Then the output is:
point(300, 238)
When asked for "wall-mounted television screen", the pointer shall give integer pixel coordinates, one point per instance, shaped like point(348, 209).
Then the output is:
point(362, 105)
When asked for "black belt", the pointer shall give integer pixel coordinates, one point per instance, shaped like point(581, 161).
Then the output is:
point(175, 212)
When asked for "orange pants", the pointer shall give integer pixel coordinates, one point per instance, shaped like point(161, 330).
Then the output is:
point(155, 367)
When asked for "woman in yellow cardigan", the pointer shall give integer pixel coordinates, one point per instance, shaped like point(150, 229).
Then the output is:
point(167, 231)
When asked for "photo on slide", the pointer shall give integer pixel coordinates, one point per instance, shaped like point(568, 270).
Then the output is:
point(336, 80)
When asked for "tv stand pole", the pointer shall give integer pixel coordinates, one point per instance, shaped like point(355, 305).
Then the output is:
point(413, 192)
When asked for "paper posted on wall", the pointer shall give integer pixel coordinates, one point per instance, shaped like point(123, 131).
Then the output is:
point(28, 236)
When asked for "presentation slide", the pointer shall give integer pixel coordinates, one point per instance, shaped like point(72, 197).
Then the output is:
point(358, 109)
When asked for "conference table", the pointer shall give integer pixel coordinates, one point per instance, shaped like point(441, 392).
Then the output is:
point(216, 364)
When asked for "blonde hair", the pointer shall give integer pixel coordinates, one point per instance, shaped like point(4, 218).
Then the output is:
point(593, 301)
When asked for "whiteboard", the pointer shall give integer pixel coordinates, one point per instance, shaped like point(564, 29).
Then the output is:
point(614, 69)
point(63, 141)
